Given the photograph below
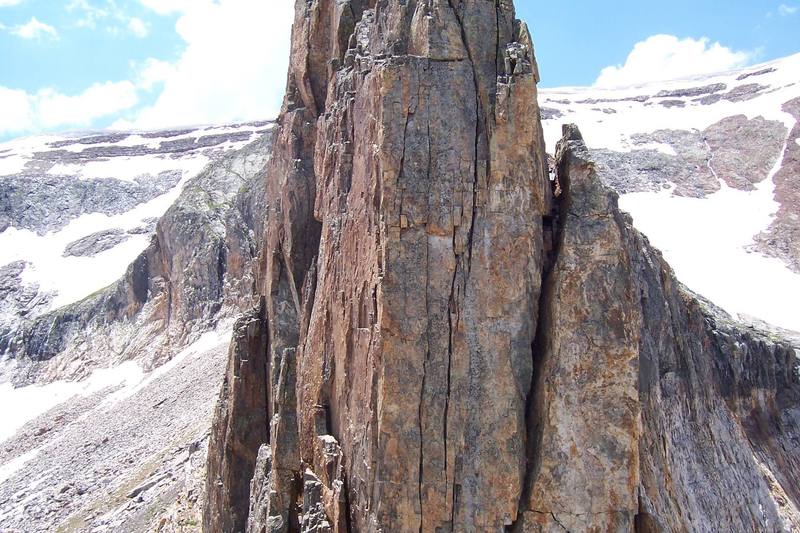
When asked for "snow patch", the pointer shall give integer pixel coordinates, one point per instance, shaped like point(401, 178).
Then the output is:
point(26, 403)
point(705, 241)
point(10, 468)
point(74, 278)
point(207, 341)
point(129, 168)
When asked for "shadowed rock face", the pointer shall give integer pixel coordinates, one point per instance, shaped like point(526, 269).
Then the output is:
point(456, 343)
point(199, 265)
point(245, 385)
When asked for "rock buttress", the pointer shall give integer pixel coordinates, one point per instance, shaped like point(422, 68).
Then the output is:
point(420, 378)
point(402, 264)
point(240, 426)
point(430, 191)
point(653, 411)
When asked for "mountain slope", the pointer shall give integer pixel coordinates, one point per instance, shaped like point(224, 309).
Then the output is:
point(131, 372)
point(76, 211)
point(708, 169)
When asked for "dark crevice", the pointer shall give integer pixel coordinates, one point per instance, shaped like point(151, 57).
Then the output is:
point(427, 350)
point(453, 309)
point(552, 222)
point(263, 325)
point(558, 522)
point(348, 519)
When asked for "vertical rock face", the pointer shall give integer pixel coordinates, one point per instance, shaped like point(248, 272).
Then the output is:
point(242, 426)
point(587, 469)
point(420, 378)
point(651, 407)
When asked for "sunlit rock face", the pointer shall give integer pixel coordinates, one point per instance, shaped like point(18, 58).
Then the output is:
point(459, 341)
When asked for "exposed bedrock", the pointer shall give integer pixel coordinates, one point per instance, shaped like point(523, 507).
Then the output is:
point(199, 265)
point(650, 405)
point(736, 150)
point(243, 414)
point(456, 343)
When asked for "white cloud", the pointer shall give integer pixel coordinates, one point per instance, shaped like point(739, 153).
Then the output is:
point(233, 67)
point(166, 7)
point(138, 27)
point(786, 11)
point(90, 13)
point(15, 112)
point(115, 19)
point(35, 29)
point(153, 72)
point(9, 3)
point(666, 57)
point(21, 112)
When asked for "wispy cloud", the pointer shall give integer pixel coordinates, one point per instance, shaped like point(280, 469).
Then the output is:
point(22, 112)
point(35, 29)
point(138, 27)
point(667, 57)
point(114, 18)
point(9, 3)
point(787, 10)
point(213, 81)
point(90, 14)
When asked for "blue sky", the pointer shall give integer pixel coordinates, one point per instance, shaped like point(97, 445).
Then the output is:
point(79, 64)
point(576, 39)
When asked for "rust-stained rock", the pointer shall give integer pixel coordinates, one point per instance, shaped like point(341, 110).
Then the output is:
point(586, 413)
point(420, 377)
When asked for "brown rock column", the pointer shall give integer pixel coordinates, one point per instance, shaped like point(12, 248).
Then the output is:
point(431, 191)
point(240, 427)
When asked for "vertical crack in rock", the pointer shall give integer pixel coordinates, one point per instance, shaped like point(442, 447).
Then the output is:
point(526, 388)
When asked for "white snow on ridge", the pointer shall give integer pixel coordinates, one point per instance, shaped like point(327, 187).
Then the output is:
point(16, 153)
point(74, 278)
point(705, 240)
point(129, 168)
point(612, 130)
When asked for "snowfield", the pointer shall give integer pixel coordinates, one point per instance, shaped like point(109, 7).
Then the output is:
point(120, 156)
point(708, 241)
